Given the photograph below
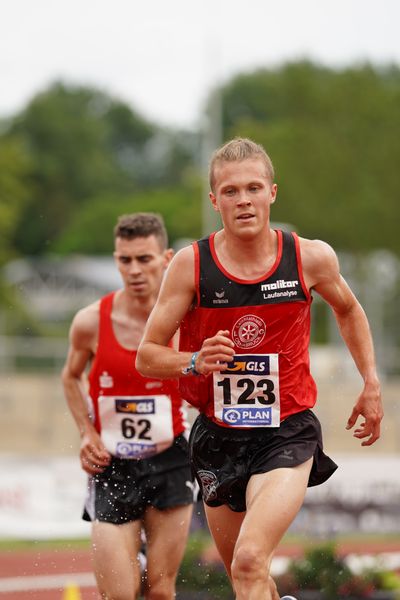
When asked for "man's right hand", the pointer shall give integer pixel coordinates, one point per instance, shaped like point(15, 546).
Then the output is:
point(93, 455)
point(215, 353)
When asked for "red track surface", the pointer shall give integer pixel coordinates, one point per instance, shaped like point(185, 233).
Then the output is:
point(45, 562)
point(37, 563)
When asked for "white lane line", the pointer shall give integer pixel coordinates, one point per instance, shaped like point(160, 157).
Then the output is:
point(46, 582)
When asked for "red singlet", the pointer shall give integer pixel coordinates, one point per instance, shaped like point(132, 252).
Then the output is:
point(269, 322)
point(136, 416)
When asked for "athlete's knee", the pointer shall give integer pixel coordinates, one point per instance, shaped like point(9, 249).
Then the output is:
point(161, 589)
point(116, 592)
point(119, 594)
point(160, 593)
point(249, 561)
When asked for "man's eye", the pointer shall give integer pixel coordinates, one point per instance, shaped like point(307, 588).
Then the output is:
point(124, 261)
point(229, 192)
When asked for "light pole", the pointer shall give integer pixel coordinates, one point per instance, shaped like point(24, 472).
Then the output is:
point(211, 138)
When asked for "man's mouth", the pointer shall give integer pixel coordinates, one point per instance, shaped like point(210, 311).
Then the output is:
point(136, 283)
point(245, 216)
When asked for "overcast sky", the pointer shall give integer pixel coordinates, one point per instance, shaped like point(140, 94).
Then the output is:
point(163, 56)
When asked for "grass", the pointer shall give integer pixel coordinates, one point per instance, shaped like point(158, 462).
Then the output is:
point(7, 545)
point(201, 538)
point(305, 540)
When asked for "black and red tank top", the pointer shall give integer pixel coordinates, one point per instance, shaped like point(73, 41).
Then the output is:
point(269, 322)
point(136, 416)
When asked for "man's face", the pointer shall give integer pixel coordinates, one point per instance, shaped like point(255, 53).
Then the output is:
point(141, 263)
point(243, 195)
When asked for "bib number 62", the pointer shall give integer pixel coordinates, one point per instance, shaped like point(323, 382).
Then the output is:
point(139, 429)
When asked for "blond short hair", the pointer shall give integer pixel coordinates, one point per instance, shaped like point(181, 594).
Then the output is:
point(236, 150)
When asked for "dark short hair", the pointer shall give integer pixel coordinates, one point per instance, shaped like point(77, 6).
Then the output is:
point(236, 150)
point(143, 224)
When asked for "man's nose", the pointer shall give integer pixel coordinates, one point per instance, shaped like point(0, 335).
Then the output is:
point(135, 267)
point(243, 198)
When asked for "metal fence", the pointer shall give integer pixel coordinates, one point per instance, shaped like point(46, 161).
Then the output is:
point(27, 354)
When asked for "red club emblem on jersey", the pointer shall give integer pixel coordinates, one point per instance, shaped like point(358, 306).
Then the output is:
point(248, 331)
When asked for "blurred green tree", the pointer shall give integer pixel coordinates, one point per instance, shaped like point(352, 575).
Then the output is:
point(83, 143)
point(91, 231)
point(15, 189)
point(333, 137)
point(332, 134)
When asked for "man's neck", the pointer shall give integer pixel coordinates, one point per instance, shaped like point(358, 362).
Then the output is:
point(247, 258)
point(134, 306)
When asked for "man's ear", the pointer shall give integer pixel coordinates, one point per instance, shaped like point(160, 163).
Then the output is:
point(274, 192)
point(213, 201)
point(168, 255)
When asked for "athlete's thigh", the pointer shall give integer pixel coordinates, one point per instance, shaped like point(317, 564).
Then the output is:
point(224, 525)
point(115, 550)
point(273, 500)
point(166, 536)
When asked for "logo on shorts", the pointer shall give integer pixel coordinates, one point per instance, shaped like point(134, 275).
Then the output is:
point(287, 454)
point(209, 484)
point(248, 331)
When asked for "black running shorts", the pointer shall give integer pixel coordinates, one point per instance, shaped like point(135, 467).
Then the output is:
point(223, 460)
point(123, 491)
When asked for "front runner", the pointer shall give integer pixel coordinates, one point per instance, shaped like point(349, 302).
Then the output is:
point(133, 447)
point(242, 298)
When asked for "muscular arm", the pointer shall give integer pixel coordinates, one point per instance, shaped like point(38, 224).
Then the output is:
point(321, 271)
point(83, 334)
point(154, 357)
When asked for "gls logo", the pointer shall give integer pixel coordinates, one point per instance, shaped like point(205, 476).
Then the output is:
point(249, 364)
point(139, 406)
point(242, 367)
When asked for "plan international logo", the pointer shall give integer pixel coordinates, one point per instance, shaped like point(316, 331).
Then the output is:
point(135, 450)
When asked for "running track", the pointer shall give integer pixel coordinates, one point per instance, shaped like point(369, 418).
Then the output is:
point(46, 574)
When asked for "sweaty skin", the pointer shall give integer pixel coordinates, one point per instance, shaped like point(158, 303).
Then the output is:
point(141, 263)
point(246, 246)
